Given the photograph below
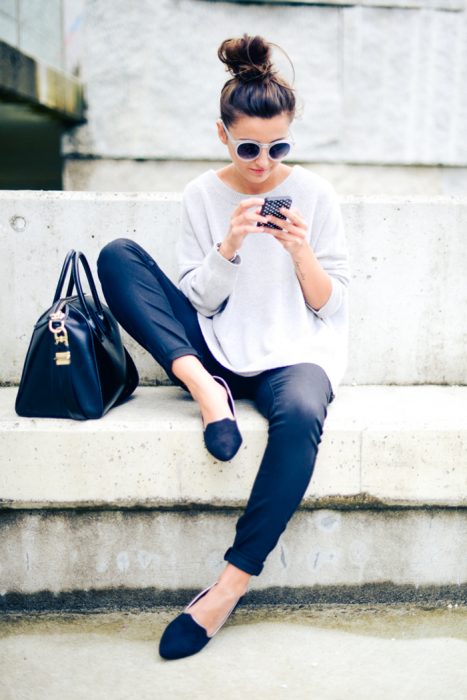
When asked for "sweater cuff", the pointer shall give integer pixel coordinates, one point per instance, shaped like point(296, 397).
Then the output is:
point(332, 304)
point(221, 272)
point(236, 260)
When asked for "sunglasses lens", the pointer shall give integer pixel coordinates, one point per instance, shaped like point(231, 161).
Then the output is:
point(279, 150)
point(248, 151)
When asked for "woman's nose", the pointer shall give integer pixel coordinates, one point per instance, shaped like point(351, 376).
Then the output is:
point(263, 159)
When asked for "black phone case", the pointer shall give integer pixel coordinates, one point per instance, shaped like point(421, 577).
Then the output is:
point(272, 206)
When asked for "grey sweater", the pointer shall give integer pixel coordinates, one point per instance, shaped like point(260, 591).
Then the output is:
point(252, 312)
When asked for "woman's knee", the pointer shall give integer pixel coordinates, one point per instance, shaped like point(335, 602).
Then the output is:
point(113, 253)
point(303, 414)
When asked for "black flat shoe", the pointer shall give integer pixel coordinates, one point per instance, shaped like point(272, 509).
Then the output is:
point(184, 636)
point(222, 437)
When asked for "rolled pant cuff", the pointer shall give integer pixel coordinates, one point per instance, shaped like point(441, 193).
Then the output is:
point(181, 352)
point(242, 562)
point(174, 355)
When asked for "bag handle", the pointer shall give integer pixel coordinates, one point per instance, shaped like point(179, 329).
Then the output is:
point(61, 280)
point(97, 319)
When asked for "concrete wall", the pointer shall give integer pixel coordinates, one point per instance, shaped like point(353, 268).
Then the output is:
point(408, 259)
point(92, 551)
point(48, 31)
point(125, 174)
point(377, 85)
point(34, 27)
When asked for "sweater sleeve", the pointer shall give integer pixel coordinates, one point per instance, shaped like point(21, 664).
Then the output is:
point(330, 248)
point(204, 275)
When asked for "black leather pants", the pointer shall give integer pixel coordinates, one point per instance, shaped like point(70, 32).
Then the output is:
point(293, 399)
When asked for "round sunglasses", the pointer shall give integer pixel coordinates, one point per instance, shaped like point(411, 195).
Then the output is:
point(249, 150)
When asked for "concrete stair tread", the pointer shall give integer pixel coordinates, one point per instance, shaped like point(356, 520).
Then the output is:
point(362, 407)
point(382, 445)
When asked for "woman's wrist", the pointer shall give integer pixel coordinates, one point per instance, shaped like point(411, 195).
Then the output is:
point(227, 251)
point(303, 253)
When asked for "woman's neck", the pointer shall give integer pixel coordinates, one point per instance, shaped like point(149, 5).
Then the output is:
point(230, 177)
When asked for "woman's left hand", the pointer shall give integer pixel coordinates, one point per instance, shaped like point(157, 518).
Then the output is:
point(292, 235)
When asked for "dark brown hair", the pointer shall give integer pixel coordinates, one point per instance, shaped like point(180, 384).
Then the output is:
point(256, 89)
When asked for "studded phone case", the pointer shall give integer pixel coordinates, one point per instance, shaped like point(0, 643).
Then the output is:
point(272, 206)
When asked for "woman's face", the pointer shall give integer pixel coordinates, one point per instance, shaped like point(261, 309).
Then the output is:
point(262, 170)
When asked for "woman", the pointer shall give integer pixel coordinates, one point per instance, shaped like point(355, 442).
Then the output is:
point(260, 313)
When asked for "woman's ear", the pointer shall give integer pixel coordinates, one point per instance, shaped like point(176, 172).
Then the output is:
point(220, 132)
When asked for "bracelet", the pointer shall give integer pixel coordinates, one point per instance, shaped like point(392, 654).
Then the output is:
point(218, 248)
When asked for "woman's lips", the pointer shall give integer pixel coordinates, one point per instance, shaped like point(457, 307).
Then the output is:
point(257, 171)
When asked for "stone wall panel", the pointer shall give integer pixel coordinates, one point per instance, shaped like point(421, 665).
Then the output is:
point(404, 100)
point(153, 86)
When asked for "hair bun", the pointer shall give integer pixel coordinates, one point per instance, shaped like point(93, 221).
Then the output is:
point(247, 58)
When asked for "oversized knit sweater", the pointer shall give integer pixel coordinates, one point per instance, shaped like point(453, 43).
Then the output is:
point(252, 312)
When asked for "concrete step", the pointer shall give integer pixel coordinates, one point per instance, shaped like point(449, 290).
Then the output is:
point(394, 446)
point(133, 502)
point(408, 257)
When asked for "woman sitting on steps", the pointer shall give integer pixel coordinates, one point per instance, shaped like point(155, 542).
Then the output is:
point(260, 313)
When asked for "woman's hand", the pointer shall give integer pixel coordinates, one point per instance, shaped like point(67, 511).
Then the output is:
point(242, 223)
point(314, 280)
point(293, 233)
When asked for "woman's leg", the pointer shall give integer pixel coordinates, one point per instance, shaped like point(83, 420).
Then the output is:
point(148, 305)
point(159, 317)
point(294, 399)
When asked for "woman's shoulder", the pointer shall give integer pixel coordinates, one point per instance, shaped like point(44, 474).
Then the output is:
point(316, 188)
point(314, 180)
point(201, 182)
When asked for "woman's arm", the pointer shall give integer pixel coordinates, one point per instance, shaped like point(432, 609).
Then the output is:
point(207, 275)
point(204, 275)
point(322, 270)
point(315, 282)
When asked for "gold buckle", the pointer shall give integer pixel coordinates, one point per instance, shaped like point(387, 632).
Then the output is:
point(60, 336)
point(62, 358)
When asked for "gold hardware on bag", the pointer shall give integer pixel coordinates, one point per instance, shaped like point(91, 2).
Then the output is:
point(62, 358)
point(60, 336)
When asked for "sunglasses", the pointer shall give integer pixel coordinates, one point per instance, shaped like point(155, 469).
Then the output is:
point(249, 150)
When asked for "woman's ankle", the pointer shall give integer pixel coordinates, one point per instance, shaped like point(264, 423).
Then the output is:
point(191, 372)
point(234, 580)
point(193, 375)
point(211, 396)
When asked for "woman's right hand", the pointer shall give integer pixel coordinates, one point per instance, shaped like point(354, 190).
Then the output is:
point(242, 223)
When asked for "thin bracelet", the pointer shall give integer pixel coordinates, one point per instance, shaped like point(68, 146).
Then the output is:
point(218, 247)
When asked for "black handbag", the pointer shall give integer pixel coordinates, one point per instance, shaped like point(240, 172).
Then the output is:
point(76, 365)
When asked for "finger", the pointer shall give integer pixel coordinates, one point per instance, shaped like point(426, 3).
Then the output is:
point(250, 202)
point(297, 231)
point(245, 229)
point(248, 216)
point(288, 236)
point(292, 214)
point(282, 223)
point(255, 222)
point(280, 238)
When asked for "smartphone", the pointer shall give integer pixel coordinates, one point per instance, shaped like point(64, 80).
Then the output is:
point(272, 206)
